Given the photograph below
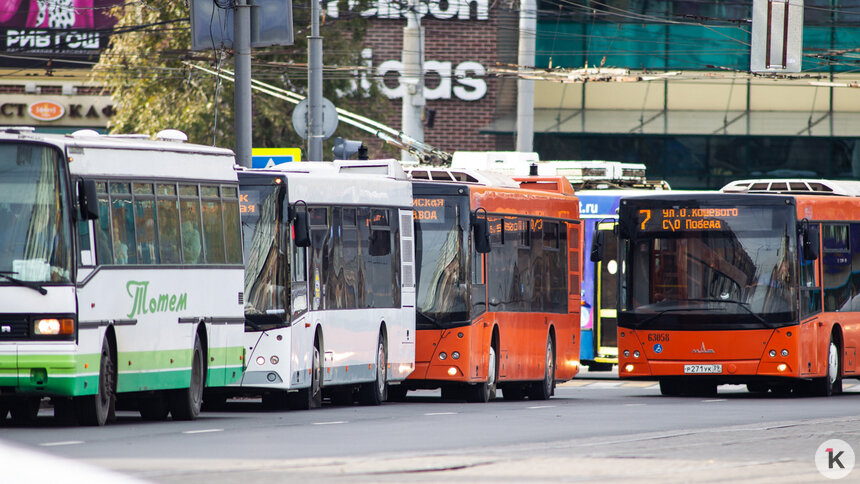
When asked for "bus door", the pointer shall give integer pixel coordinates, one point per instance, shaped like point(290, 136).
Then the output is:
point(810, 306)
point(605, 299)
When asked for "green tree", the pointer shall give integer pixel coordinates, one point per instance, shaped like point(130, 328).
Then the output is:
point(146, 68)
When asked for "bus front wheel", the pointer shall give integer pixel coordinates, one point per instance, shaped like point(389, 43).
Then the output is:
point(831, 383)
point(311, 397)
point(485, 391)
point(543, 390)
point(376, 392)
point(95, 409)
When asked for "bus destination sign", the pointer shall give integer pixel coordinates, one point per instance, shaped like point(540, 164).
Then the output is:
point(701, 219)
point(429, 210)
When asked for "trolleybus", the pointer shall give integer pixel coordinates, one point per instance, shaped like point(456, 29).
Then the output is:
point(120, 274)
point(498, 265)
point(756, 285)
point(329, 281)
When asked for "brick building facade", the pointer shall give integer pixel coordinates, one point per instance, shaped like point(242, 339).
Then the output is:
point(458, 53)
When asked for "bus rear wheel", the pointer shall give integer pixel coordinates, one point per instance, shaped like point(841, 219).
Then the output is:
point(376, 392)
point(95, 409)
point(185, 403)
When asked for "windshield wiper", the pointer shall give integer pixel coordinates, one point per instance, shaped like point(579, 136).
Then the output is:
point(741, 304)
point(32, 285)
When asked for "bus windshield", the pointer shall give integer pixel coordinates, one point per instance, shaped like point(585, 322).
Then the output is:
point(440, 251)
point(266, 264)
point(35, 236)
point(737, 271)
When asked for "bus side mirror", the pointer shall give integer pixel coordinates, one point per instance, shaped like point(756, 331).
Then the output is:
point(481, 232)
point(811, 242)
point(597, 245)
point(88, 200)
point(301, 229)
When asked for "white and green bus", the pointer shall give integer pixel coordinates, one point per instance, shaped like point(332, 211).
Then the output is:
point(121, 276)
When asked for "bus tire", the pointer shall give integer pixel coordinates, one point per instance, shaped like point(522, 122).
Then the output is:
point(153, 408)
point(831, 383)
point(311, 397)
point(25, 410)
point(485, 391)
point(513, 392)
point(185, 403)
point(543, 389)
point(376, 392)
point(95, 409)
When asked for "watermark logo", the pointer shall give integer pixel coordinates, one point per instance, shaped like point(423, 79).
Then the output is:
point(834, 459)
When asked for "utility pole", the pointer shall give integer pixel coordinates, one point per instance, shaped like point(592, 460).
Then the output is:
point(242, 94)
point(315, 96)
point(526, 87)
point(412, 58)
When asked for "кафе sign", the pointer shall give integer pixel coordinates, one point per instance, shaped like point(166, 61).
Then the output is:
point(61, 111)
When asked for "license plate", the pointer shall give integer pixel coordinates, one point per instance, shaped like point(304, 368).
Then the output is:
point(695, 369)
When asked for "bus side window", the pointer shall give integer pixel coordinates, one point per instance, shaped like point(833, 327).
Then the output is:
point(232, 226)
point(144, 222)
point(169, 242)
point(213, 225)
point(104, 246)
point(189, 212)
point(122, 223)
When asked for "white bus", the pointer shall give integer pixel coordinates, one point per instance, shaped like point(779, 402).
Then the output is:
point(120, 274)
point(329, 281)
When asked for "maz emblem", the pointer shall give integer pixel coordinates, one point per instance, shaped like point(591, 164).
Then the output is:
point(702, 349)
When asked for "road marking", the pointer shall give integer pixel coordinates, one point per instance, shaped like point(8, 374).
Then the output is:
point(635, 404)
point(441, 413)
point(714, 400)
point(67, 442)
point(335, 422)
point(541, 406)
point(205, 431)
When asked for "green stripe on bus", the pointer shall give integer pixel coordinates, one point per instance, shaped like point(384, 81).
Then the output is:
point(75, 375)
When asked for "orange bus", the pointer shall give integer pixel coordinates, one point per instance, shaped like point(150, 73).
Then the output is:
point(498, 277)
point(757, 285)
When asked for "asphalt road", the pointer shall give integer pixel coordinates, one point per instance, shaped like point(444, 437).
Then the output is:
point(593, 430)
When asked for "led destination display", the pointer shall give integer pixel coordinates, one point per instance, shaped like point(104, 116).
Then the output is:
point(704, 219)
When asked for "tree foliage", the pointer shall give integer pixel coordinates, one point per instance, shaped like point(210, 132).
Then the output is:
point(147, 69)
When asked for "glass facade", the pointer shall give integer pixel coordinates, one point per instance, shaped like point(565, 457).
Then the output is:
point(691, 35)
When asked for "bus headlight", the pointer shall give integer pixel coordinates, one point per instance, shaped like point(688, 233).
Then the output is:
point(54, 326)
point(455, 355)
point(784, 353)
point(772, 353)
point(443, 355)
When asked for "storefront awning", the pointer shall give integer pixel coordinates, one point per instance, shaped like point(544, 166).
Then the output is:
point(675, 123)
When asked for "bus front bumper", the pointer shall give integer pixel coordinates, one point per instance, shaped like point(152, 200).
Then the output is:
point(47, 370)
